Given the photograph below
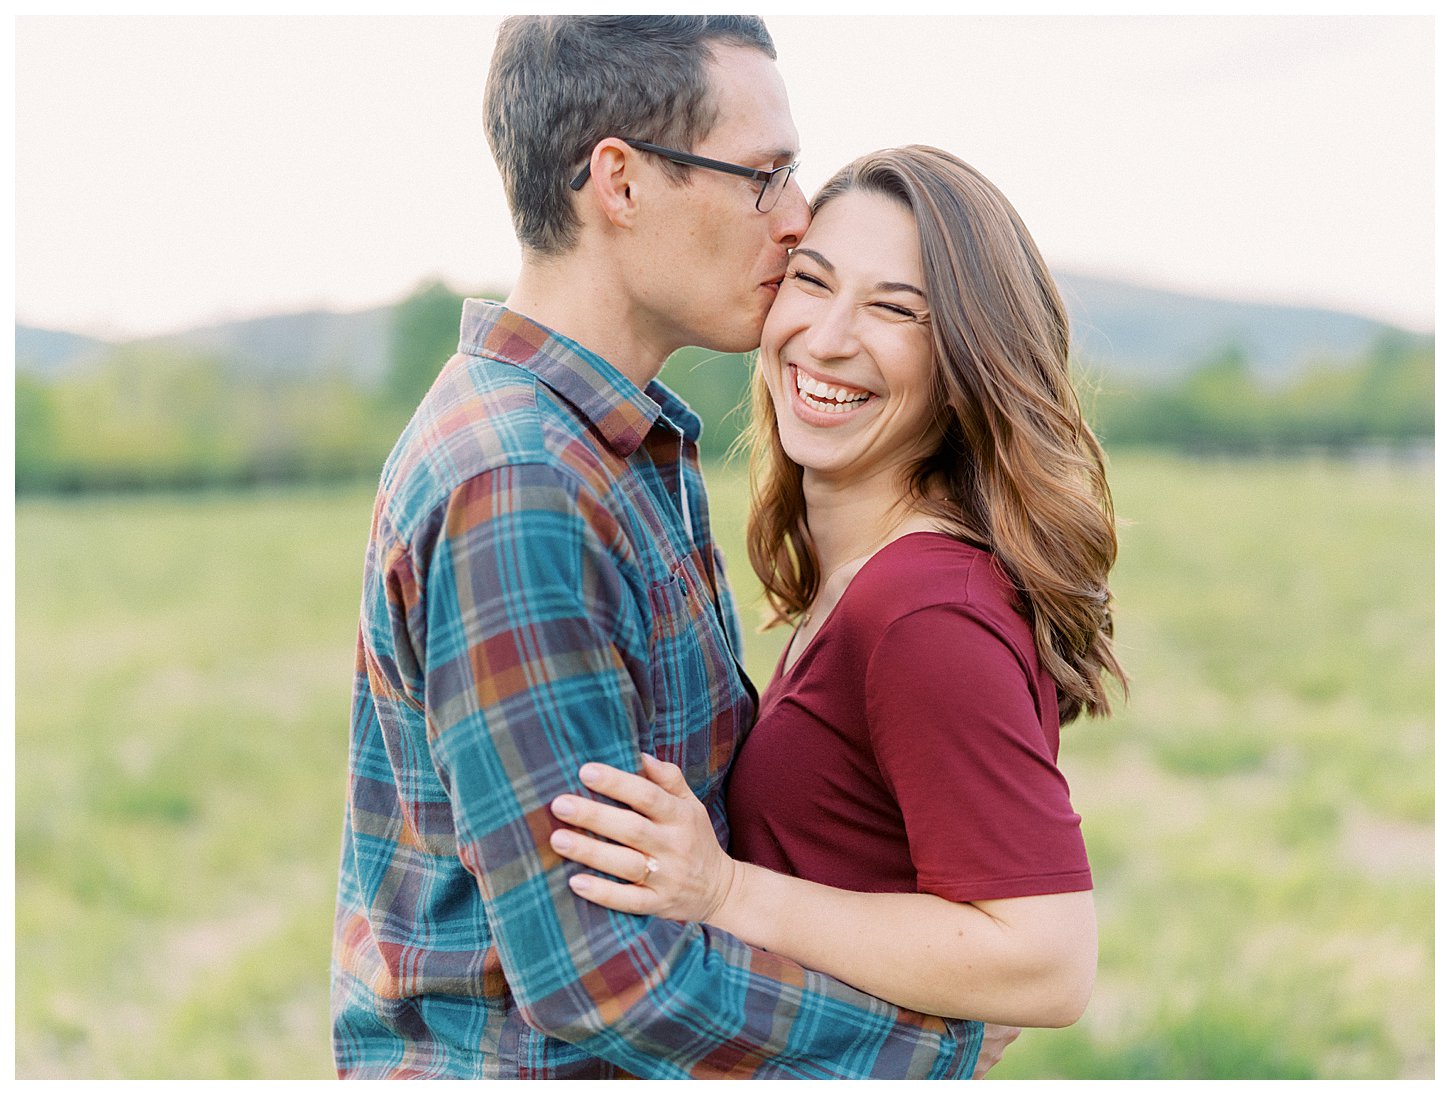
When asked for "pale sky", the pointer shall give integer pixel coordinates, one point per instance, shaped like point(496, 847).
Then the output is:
point(173, 171)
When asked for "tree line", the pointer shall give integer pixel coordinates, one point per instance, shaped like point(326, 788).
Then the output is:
point(1385, 399)
point(148, 419)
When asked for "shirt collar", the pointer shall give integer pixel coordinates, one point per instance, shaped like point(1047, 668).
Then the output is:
point(676, 410)
point(601, 393)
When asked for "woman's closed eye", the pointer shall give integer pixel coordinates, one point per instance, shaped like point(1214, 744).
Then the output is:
point(898, 310)
point(815, 283)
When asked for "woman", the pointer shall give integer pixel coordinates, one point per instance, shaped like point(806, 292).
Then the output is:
point(931, 514)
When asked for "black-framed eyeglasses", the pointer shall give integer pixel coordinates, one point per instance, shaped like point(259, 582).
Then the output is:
point(772, 182)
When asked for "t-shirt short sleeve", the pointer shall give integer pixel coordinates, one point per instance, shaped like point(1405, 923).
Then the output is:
point(952, 705)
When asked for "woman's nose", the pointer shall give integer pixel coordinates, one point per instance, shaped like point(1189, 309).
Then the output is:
point(833, 332)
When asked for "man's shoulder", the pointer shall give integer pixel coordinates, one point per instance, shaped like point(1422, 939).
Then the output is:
point(481, 416)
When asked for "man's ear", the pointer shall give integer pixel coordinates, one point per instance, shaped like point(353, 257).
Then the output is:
point(612, 167)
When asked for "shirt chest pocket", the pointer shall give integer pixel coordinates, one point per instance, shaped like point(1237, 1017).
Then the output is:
point(701, 705)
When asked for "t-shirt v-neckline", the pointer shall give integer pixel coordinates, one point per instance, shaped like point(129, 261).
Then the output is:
point(782, 670)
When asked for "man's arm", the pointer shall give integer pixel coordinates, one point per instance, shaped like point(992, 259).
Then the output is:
point(528, 609)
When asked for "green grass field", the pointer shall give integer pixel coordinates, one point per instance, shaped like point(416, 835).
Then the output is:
point(1259, 816)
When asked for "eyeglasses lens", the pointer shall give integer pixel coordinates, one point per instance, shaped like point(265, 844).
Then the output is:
point(772, 190)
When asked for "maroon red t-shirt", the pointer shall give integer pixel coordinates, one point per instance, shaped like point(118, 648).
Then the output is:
point(912, 746)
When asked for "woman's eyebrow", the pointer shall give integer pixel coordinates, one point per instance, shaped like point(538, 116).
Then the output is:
point(898, 287)
point(817, 256)
point(880, 286)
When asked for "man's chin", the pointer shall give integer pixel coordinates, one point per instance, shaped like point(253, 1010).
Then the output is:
point(740, 343)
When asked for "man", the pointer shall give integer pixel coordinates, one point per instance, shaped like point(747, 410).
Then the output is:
point(541, 589)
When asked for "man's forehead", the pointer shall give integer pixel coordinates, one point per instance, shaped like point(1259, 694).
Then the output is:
point(771, 153)
point(754, 110)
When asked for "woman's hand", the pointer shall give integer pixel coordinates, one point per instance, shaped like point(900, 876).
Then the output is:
point(995, 1040)
point(666, 847)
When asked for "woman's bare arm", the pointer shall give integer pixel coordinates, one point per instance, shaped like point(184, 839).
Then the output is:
point(1021, 961)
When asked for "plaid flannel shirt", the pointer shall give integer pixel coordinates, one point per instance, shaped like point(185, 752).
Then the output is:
point(541, 589)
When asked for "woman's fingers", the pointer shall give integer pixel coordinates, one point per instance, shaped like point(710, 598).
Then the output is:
point(615, 895)
point(625, 787)
point(666, 776)
point(664, 851)
point(625, 826)
point(624, 863)
point(633, 895)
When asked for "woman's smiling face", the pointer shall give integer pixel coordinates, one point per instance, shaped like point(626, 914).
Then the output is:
point(847, 347)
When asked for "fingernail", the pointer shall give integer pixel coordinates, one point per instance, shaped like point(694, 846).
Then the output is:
point(579, 882)
point(563, 807)
point(588, 772)
point(562, 840)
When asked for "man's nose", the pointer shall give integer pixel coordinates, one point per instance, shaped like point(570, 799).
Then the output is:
point(791, 216)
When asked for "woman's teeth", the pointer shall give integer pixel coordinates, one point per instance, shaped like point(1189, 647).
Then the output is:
point(826, 397)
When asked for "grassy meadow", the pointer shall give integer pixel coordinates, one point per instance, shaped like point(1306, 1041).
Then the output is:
point(1259, 815)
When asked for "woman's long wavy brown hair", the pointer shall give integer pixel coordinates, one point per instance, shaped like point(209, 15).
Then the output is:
point(1018, 471)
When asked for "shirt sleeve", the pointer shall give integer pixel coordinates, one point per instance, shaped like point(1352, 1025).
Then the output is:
point(955, 727)
point(529, 608)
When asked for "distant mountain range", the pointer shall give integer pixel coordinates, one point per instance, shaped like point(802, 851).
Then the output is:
point(1130, 331)
point(1151, 334)
point(355, 343)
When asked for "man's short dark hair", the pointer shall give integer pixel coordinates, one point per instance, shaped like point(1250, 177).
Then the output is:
point(560, 84)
